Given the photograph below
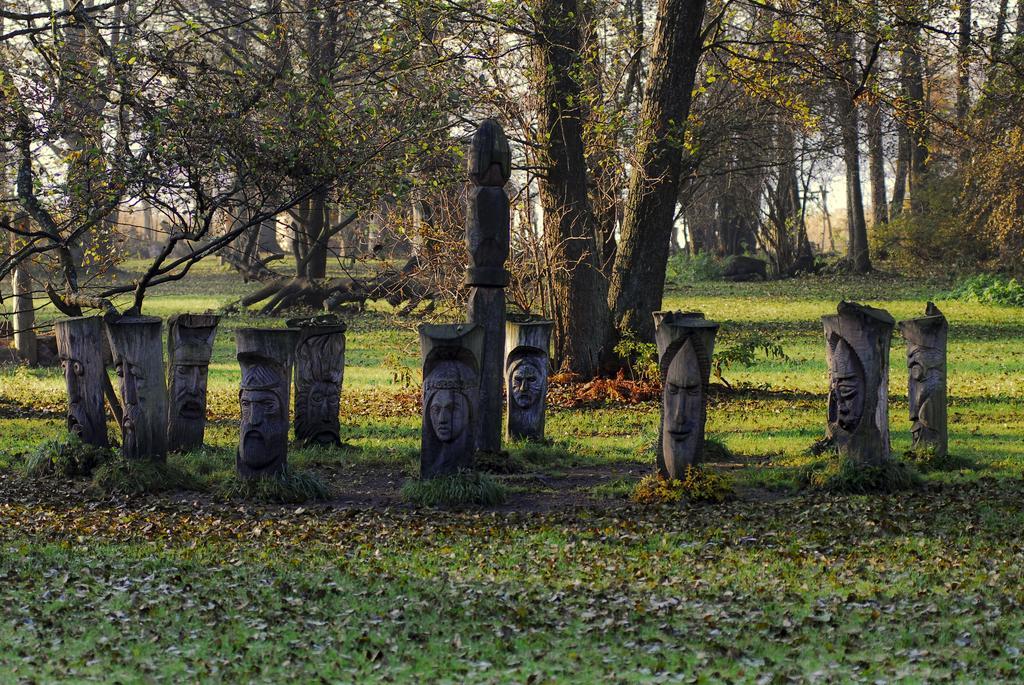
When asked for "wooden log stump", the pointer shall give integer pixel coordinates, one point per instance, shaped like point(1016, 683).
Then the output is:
point(450, 355)
point(265, 356)
point(189, 348)
point(319, 375)
point(857, 348)
point(926, 388)
point(526, 376)
point(686, 343)
point(137, 350)
point(80, 345)
point(487, 240)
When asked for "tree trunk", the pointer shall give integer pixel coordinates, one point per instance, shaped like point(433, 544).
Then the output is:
point(899, 183)
point(638, 276)
point(857, 246)
point(963, 53)
point(579, 288)
point(876, 166)
point(80, 348)
point(919, 134)
point(24, 316)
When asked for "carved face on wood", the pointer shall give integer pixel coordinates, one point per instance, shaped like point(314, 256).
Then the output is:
point(526, 383)
point(846, 387)
point(447, 404)
point(134, 393)
point(79, 423)
point(682, 404)
point(264, 417)
point(319, 367)
point(926, 370)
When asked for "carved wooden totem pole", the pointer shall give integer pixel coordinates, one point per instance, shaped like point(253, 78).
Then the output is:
point(926, 390)
point(189, 348)
point(319, 373)
point(451, 396)
point(138, 352)
point(857, 346)
point(526, 376)
point(80, 348)
point(487, 238)
point(266, 356)
point(686, 343)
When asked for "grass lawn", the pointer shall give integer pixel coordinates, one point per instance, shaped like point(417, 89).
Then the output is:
point(567, 581)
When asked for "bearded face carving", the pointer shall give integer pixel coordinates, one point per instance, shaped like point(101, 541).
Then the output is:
point(265, 356)
point(80, 350)
point(846, 387)
point(450, 397)
point(190, 343)
point(526, 383)
point(138, 361)
point(319, 372)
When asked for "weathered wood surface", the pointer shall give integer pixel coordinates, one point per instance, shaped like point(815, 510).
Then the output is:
point(319, 375)
point(137, 349)
point(80, 346)
point(487, 241)
point(857, 349)
point(450, 355)
point(190, 339)
point(526, 376)
point(686, 343)
point(265, 356)
point(926, 338)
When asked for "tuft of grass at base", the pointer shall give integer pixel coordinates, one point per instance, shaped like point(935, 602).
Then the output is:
point(697, 485)
point(842, 475)
point(66, 456)
point(927, 460)
point(291, 486)
point(121, 476)
point(465, 488)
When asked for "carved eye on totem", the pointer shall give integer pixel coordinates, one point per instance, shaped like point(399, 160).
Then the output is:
point(72, 365)
point(688, 390)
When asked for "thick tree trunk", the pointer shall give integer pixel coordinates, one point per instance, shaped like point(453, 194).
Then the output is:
point(24, 316)
point(579, 288)
point(857, 245)
point(80, 348)
point(139, 361)
point(638, 276)
point(919, 134)
point(876, 166)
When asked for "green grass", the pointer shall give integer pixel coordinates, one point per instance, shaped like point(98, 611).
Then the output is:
point(777, 584)
point(462, 489)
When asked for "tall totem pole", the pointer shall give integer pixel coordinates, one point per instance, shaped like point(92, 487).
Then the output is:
point(487, 238)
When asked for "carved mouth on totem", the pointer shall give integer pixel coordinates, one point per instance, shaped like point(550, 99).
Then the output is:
point(680, 433)
point(191, 409)
point(254, 447)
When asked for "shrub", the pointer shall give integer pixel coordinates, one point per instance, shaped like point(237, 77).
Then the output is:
point(65, 456)
point(641, 359)
point(465, 488)
point(120, 476)
point(290, 486)
point(842, 475)
point(688, 268)
point(744, 352)
point(991, 289)
point(697, 485)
